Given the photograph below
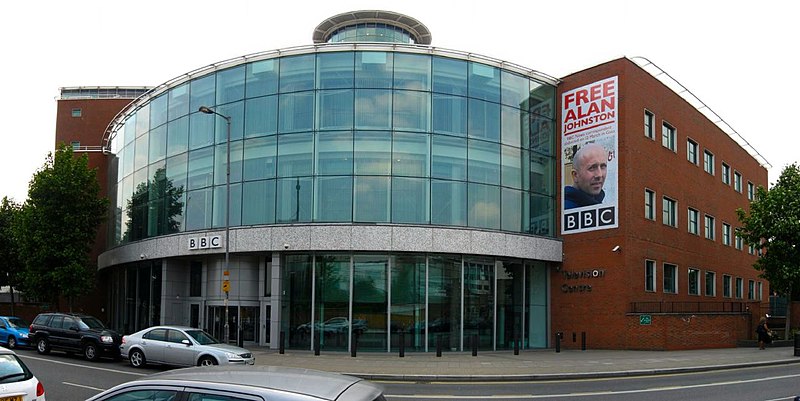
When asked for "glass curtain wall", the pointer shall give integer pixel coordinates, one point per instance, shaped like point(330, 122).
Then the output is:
point(136, 297)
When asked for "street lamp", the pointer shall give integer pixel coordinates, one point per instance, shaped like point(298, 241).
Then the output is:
point(226, 289)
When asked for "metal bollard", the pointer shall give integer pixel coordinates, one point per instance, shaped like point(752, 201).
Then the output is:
point(558, 341)
point(316, 345)
point(583, 341)
point(796, 344)
point(402, 345)
point(474, 345)
point(354, 346)
point(516, 343)
point(282, 345)
point(438, 346)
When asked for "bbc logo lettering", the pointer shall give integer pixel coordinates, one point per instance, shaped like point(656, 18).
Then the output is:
point(587, 220)
point(197, 243)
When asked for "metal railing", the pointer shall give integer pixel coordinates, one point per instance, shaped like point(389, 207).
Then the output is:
point(689, 307)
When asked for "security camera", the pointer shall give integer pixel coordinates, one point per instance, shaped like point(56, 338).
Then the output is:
point(285, 246)
point(141, 256)
point(615, 249)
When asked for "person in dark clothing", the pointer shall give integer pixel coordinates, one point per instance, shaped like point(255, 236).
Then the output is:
point(764, 336)
point(589, 171)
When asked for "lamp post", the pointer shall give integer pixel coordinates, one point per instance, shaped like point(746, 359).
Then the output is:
point(225, 286)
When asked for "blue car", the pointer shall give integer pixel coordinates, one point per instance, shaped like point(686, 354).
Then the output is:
point(13, 332)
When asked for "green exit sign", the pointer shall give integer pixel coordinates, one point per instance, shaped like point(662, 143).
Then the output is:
point(645, 319)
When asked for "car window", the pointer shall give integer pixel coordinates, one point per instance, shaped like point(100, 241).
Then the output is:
point(202, 337)
point(145, 395)
point(156, 334)
point(41, 319)
point(2, 324)
point(57, 322)
point(213, 397)
point(176, 336)
point(18, 322)
point(12, 370)
point(68, 322)
point(92, 322)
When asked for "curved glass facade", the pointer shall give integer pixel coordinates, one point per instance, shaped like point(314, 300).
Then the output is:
point(340, 136)
point(371, 32)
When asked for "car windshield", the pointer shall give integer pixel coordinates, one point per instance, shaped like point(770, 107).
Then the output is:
point(88, 322)
point(202, 337)
point(13, 370)
point(17, 322)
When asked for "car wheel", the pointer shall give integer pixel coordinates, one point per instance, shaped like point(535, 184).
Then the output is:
point(43, 346)
point(90, 352)
point(207, 361)
point(137, 359)
point(12, 342)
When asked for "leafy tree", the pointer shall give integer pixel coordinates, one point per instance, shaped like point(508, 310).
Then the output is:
point(9, 253)
point(57, 226)
point(773, 222)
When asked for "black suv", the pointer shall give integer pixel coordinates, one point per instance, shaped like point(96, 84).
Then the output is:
point(74, 333)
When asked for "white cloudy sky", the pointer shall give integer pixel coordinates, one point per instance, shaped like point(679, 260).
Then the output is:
point(740, 58)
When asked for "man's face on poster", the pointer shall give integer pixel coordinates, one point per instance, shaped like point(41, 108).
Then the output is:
point(590, 169)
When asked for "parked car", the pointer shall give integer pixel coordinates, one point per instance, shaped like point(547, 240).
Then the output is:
point(13, 332)
point(245, 383)
point(17, 382)
point(74, 333)
point(335, 325)
point(181, 346)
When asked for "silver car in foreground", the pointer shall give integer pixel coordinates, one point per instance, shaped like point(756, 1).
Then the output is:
point(181, 346)
point(239, 383)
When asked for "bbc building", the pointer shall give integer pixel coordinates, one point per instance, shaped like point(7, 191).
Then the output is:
point(370, 190)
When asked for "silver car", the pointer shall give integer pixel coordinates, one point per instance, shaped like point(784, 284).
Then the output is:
point(181, 346)
point(239, 383)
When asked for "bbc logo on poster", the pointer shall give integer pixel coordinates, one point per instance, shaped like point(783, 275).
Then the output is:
point(592, 219)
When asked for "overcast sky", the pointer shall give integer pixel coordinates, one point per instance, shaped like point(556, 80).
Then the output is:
point(740, 58)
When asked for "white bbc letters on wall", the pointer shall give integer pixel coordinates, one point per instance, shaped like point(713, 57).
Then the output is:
point(210, 242)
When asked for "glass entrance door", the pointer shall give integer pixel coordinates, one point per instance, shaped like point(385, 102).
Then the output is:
point(215, 323)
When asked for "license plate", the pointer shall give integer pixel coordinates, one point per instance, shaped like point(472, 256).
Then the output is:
point(13, 398)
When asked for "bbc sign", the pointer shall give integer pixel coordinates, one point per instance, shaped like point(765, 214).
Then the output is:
point(592, 219)
point(197, 243)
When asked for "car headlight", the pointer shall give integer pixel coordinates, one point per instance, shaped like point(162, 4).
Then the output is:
point(23, 335)
point(106, 339)
point(231, 355)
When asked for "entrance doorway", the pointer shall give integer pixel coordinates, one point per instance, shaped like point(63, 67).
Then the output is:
point(215, 323)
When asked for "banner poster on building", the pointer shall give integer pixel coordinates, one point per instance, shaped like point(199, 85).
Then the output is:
point(589, 168)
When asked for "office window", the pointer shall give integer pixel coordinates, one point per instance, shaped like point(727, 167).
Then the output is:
point(694, 282)
point(77, 112)
point(739, 243)
point(751, 191)
point(726, 234)
point(649, 204)
point(649, 275)
point(691, 151)
point(726, 286)
point(668, 137)
point(759, 291)
point(751, 290)
point(649, 124)
point(75, 145)
point(751, 249)
point(726, 174)
point(708, 162)
point(711, 284)
point(670, 211)
point(709, 227)
point(692, 224)
point(670, 278)
point(739, 287)
point(737, 181)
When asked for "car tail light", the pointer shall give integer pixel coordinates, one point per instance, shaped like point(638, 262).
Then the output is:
point(39, 389)
point(123, 339)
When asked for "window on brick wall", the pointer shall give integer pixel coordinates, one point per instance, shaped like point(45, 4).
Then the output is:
point(649, 204)
point(726, 174)
point(649, 124)
point(739, 287)
point(668, 137)
point(691, 151)
point(692, 224)
point(650, 275)
point(694, 281)
point(711, 284)
point(726, 286)
point(670, 278)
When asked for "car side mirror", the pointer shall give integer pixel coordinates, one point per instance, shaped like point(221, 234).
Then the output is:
point(186, 342)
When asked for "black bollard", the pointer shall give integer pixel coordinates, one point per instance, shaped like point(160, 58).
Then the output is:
point(354, 346)
point(558, 341)
point(516, 344)
point(438, 346)
point(316, 345)
point(583, 341)
point(402, 344)
point(474, 345)
point(281, 345)
point(796, 344)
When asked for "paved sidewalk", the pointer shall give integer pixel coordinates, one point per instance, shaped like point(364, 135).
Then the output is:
point(528, 365)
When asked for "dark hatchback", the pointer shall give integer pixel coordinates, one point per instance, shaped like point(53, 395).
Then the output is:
point(74, 333)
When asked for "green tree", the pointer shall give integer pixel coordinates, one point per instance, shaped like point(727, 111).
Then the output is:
point(57, 226)
point(9, 252)
point(773, 222)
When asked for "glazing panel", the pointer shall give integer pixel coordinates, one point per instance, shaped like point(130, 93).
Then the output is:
point(373, 109)
point(334, 152)
point(410, 200)
point(296, 112)
point(449, 114)
point(511, 172)
point(177, 168)
point(332, 302)
point(542, 99)
point(412, 111)
point(370, 301)
point(484, 120)
point(514, 126)
point(297, 284)
point(536, 306)
point(448, 157)
point(142, 152)
point(129, 131)
point(484, 206)
point(203, 92)
point(372, 152)
point(408, 302)
point(444, 303)
point(542, 212)
point(297, 73)
point(221, 199)
point(236, 112)
point(371, 199)
point(334, 199)
point(178, 101)
point(542, 134)
point(510, 292)
point(221, 159)
point(201, 168)
point(374, 69)
point(261, 78)
point(259, 158)
point(484, 82)
point(127, 159)
point(295, 155)
point(261, 116)
point(258, 202)
point(230, 85)
point(166, 203)
point(410, 154)
point(479, 303)
point(450, 76)
point(335, 109)
point(449, 203)
point(142, 120)
point(198, 209)
point(412, 71)
point(515, 90)
point(137, 208)
point(511, 210)
point(542, 179)
point(178, 136)
point(484, 162)
point(294, 200)
point(201, 130)
point(335, 70)
point(158, 144)
point(158, 111)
